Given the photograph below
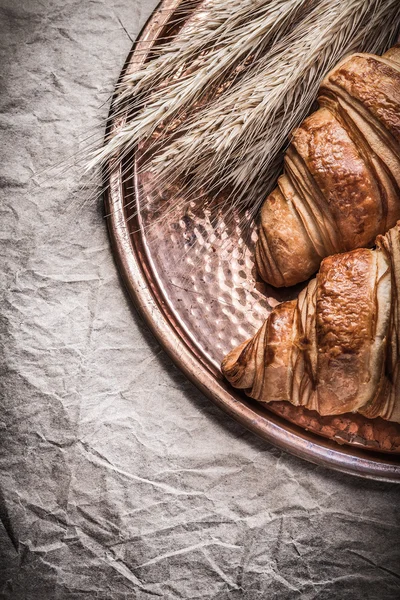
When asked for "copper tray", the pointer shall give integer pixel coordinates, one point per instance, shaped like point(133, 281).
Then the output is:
point(195, 285)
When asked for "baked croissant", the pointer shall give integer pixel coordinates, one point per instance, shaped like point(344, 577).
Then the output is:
point(336, 349)
point(341, 181)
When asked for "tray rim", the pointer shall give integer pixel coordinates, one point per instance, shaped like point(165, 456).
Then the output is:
point(129, 253)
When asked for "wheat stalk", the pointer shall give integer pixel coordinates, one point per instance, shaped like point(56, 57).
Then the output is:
point(238, 137)
point(273, 53)
point(213, 44)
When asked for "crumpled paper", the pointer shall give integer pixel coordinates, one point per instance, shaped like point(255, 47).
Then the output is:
point(117, 478)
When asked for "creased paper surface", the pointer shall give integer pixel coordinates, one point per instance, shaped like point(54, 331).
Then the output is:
point(117, 478)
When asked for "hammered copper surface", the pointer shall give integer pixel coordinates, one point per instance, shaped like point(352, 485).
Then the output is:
point(207, 277)
point(193, 277)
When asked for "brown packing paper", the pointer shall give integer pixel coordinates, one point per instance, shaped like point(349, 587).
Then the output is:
point(117, 478)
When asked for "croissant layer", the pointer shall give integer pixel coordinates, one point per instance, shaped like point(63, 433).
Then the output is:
point(336, 349)
point(341, 181)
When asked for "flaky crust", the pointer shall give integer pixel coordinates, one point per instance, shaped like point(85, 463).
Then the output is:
point(336, 349)
point(341, 184)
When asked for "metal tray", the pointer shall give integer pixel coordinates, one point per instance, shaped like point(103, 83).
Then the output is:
point(195, 285)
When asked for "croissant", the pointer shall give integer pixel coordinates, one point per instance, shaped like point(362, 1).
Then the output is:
point(341, 181)
point(336, 349)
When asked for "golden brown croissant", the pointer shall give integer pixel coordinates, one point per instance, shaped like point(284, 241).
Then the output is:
point(335, 349)
point(341, 181)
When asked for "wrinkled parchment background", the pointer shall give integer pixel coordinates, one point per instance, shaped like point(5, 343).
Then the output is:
point(118, 479)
